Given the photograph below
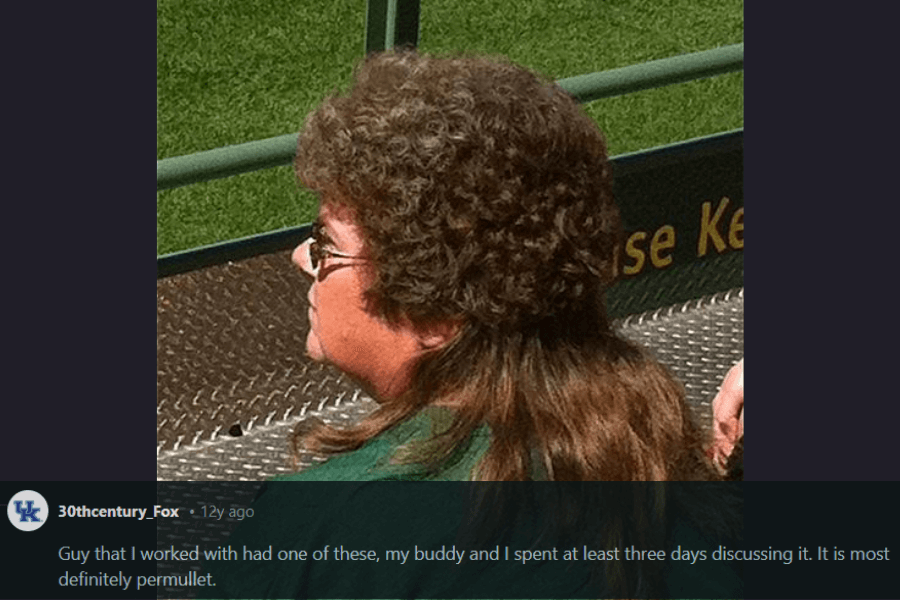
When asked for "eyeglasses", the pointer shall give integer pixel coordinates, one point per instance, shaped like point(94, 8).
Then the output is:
point(317, 251)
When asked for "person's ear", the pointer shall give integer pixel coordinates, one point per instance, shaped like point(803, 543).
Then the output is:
point(435, 336)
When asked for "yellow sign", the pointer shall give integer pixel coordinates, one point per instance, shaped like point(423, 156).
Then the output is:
point(715, 232)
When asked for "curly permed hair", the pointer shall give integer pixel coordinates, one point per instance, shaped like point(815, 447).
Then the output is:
point(482, 190)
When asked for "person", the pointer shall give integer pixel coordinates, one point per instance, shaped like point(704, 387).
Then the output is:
point(467, 233)
point(728, 418)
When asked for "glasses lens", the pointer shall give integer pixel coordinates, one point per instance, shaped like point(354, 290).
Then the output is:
point(313, 253)
point(314, 249)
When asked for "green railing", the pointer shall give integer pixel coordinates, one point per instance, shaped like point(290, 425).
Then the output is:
point(391, 24)
point(279, 150)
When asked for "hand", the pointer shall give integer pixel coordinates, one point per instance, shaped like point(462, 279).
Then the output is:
point(728, 415)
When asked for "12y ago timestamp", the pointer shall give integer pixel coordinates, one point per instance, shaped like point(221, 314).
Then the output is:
point(238, 514)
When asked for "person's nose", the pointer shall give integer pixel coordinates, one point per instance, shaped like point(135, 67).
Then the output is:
point(300, 257)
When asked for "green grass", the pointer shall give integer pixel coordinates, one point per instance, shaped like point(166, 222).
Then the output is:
point(233, 71)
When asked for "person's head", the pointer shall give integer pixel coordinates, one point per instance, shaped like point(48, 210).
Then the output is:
point(480, 190)
point(474, 199)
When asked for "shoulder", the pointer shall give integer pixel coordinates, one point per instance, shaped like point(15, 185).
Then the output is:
point(374, 460)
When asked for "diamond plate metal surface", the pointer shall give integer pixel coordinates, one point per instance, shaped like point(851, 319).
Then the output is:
point(698, 341)
point(233, 379)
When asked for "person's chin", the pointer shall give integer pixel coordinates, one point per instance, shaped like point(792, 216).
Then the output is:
point(314, 348)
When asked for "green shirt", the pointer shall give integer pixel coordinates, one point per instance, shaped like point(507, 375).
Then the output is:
point(373, 461)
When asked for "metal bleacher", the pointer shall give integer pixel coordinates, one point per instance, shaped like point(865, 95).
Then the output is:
point(233, 380)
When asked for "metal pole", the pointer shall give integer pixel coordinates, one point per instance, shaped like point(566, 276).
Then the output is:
point(391, 24)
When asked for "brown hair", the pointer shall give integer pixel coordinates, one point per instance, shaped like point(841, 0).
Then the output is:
point(484, 194)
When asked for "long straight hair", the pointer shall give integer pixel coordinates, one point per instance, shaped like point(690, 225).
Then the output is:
point(565, 398)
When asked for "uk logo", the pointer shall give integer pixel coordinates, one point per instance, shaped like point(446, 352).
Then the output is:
point(27, 510)
point(29, 513)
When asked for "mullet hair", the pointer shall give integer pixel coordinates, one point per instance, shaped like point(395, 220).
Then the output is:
point(484, 194)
